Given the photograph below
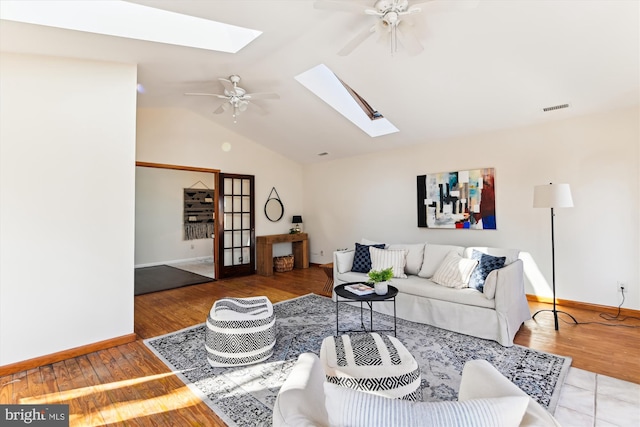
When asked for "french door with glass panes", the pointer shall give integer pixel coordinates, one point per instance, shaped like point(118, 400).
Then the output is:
point(236, 224)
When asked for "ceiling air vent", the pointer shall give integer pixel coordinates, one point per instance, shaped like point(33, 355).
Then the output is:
point(555, 107)
point(323, 154)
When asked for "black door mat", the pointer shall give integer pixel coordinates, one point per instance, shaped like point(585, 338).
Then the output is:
point(163, 277)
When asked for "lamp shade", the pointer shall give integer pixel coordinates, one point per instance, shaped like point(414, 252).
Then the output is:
point(297, 219)
point(552, 196)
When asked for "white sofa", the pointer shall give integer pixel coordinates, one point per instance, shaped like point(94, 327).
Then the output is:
point(306, 399)
point(496, 313)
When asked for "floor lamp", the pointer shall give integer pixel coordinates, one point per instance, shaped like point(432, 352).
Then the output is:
point(553, 196)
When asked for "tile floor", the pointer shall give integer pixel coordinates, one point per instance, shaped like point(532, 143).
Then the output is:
point(203, 267)
point(593, 400)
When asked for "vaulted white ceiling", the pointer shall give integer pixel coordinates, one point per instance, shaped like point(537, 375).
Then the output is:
point(491, 66)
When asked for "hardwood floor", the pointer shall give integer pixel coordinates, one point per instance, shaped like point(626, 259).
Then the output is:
point(128, 385)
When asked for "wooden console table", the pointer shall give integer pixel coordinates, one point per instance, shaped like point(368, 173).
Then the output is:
point(264, 249)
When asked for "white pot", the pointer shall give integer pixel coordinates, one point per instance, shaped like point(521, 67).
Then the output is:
point(381, 288)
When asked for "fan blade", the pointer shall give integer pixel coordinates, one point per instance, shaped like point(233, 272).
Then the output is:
point(228, 86)
point(340, 6)
point(206, 94)
point(262, 95)
point(355, 42)
point(408, 39)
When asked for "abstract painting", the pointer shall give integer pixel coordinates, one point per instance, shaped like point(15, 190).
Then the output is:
point(458, 200)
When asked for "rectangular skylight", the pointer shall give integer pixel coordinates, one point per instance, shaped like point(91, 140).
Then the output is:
point(134, 21)
point(327, 86)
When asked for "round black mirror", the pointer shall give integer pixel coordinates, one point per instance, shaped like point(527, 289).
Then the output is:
point(274, 210)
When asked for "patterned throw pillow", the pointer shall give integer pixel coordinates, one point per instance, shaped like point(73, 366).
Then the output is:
point(486, 264)
point(384, 258)
point(362, 259)
point(454, 271)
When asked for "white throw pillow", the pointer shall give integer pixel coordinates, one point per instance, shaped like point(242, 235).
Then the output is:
point(353, 408)
point(455, 271)
point(384, 258)
point(344, 260)
point(433, 256)
point(415, 256)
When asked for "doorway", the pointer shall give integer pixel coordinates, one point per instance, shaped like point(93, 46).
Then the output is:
point(161, 222)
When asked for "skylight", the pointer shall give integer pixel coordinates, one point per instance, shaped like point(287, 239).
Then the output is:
point(134, 21)
point(327, 86)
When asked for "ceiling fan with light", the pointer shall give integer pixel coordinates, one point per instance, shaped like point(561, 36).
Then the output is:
point(235, 97)
point(392, 24)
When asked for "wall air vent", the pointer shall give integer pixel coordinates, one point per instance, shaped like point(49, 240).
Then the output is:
point(555, 107)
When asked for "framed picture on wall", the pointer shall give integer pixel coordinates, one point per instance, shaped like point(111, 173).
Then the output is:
point(457, 200)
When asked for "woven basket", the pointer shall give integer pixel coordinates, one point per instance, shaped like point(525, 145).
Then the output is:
point(283, 263)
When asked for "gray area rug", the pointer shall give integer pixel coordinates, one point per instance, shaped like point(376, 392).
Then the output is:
point(244, 396)
point(163, 277)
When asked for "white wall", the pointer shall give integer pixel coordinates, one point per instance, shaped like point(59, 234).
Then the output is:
point(597, 241)
point(180, 137)
point(67, 153)
point(160, 216)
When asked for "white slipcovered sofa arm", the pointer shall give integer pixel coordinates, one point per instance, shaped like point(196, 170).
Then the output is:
point(509, 285)
point(511, 301)
point(480, 380)
point(300, 402)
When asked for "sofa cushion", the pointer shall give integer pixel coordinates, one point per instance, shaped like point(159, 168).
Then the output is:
point(455, 271)
point(415, 256)
point(415, 286)
point(344, 260)
point(368, 242)
point(347, 407)
point(510, 254)
point(362, 258)
point(433, 256)
point(486, 264)
point(382, 259)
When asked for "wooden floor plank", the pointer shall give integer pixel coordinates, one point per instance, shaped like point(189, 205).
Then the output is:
point(6, 389)
point(108, 374)
point(128, 385)
point(90, 408)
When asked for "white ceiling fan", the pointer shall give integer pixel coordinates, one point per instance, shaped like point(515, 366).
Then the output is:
point(235, 97)
point(392, 22)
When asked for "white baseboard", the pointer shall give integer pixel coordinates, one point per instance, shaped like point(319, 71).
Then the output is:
point(175, 261)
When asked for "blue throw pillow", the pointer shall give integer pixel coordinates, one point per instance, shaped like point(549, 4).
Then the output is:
point(362, 258)
point(486, 264)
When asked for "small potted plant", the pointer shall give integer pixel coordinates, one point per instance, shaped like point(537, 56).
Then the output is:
point(380, 280)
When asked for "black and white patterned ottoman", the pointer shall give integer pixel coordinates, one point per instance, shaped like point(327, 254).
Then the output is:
point(240, 331)
point(374, 363)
